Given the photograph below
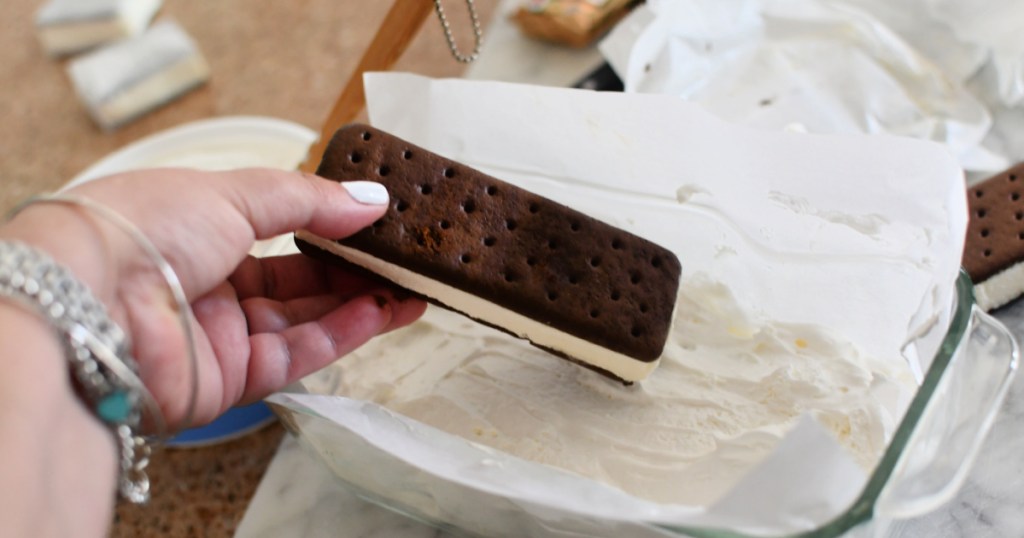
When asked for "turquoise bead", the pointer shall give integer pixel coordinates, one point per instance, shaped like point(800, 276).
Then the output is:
point(114, 407)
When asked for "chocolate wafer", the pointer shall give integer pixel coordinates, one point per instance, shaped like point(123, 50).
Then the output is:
point(537, 269)
point(994, 249)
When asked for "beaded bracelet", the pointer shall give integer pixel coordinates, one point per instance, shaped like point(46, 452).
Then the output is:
point(97, 349)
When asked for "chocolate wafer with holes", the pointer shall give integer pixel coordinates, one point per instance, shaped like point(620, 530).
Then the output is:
point(994, 249)
point(571, 284)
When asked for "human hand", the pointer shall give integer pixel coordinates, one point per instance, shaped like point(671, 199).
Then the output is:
point(259, 323)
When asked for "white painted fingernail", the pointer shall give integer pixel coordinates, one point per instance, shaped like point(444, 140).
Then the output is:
point(367, 192)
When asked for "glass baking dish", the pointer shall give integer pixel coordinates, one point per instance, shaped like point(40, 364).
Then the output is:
point(924, 465)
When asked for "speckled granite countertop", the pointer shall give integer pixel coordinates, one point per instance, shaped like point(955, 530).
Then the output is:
point(201, 491)
point(274, 58)
point(282, 59)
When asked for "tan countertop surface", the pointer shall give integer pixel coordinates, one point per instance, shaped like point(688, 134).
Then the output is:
point(287, 59)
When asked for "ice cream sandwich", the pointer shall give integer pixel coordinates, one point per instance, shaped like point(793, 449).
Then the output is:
point(68, 26)
point(537, 269)
point(994, 248)
point(122, 81)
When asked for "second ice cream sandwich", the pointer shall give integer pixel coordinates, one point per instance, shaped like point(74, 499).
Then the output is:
point(69, 26)
point(994, 249)
point(537, 269)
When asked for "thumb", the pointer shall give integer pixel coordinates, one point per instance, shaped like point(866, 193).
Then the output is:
point(276, 202)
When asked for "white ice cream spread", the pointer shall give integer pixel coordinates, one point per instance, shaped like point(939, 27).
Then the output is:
point(728, 388)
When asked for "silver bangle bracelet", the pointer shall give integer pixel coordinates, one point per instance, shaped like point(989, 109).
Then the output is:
point(98, 350)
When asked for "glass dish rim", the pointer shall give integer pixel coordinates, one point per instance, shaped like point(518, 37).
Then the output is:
point(862, 509)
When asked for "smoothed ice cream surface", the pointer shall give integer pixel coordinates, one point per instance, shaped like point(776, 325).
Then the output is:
point(728, 388)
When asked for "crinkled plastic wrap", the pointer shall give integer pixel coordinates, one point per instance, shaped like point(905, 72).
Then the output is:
point(932, 69)
point(861, 235)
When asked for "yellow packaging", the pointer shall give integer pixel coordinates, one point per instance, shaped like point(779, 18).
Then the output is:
point(576, 23)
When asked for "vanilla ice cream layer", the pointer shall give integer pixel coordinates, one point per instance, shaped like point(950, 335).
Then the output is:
point(1000, 288)
point(623, 366)
point(728, 389)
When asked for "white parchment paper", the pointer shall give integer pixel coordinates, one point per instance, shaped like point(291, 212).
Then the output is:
point(933, 69)
point(859, 234)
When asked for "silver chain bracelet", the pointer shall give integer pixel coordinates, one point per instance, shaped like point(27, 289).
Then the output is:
point(97, 350)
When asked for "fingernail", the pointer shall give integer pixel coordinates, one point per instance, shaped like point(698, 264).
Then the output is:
point(366, 192)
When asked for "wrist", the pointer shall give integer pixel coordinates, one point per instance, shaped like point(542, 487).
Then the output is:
point(34, 369)
point(63, 453)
